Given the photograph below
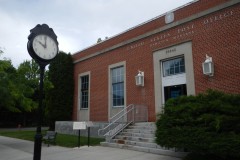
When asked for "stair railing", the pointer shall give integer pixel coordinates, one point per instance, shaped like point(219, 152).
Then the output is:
point(120, 114)
point(130, 114)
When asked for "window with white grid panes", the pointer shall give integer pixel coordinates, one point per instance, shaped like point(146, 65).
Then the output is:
point(117, 86)
point(173, 66)
point(84, 91)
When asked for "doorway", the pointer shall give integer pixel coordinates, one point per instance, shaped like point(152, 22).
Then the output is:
point(174, 91)
point(167, 75)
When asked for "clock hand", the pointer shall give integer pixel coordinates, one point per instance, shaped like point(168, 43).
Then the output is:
point(45, 44)
point(41, 44)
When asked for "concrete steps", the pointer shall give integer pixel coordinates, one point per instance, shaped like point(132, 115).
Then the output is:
point(141, 137)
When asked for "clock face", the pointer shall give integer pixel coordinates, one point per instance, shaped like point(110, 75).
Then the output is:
point(45, 47)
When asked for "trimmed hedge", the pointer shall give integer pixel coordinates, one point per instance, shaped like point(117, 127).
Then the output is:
point(206, 124)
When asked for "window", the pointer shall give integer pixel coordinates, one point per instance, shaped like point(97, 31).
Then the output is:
point(84, 91)
point(173, 66)
point(118, 86)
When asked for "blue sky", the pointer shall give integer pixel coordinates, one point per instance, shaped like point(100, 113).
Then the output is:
point(77, 23)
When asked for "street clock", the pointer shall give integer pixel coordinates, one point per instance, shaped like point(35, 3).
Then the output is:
point(42, 45)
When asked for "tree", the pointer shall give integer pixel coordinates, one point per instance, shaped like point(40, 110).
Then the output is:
point(15, 94)
point(7, 87)
point(60, 97)
point(206, 124)
point(29, 70)
point(28, 79)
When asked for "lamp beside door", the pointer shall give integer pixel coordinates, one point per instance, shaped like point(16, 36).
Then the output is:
point(139, 78)
point(208, 67)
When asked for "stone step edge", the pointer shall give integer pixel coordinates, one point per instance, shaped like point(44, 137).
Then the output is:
point(145, 149)
point(147, 134)
point(144, 138)
point(144, 123)
point(142, 128)
point(138, 130)
point(137, 143)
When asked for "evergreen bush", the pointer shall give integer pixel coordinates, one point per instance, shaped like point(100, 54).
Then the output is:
point(206, 124)
point(59, 99)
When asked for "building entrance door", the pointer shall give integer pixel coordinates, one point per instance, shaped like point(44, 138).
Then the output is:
point(173, 73)
point(174, 91)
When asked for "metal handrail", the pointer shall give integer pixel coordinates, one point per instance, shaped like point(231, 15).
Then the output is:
point(122, 126)
point(131, 114)
point(121, 116)
point(108, 127)
point(119, 112)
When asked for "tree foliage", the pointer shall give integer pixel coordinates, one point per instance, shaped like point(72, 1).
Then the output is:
point(19, 90)
point(28, 76)
point(207, 124)
point(60, 97)
point(15, 92)
point(7, 86)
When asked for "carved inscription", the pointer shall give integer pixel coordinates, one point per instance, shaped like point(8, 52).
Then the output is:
point(181, 32)
point(184, 31)
point(217, 17)
point(135, 45)
point(159, 39)
point(170, 50)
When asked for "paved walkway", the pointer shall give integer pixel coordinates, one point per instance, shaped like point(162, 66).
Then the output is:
point(15, 149)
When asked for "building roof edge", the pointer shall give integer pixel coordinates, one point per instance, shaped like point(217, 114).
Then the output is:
point(141, 24)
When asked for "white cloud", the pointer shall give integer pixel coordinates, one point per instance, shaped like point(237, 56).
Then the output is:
point(13, 38)
point(77, 23)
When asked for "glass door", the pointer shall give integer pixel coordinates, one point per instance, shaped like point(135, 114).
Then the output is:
point(174, 91)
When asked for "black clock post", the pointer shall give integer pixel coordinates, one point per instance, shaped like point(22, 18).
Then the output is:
point(43, 48)
point(38, 136)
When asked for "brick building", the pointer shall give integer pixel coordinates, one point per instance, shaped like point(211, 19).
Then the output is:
point(170, 49)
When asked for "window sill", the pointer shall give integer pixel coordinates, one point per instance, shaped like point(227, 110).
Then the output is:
point(83, 108)
point(117, 106)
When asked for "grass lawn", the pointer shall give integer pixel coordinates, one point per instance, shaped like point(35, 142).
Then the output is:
point(61, 140)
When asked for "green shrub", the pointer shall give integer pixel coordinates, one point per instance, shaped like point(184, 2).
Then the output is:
point(207, 124)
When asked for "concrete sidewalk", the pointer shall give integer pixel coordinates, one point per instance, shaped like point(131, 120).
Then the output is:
point(15, 149)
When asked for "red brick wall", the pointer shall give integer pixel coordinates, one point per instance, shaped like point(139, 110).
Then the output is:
point(220, 40)
point(216, 34)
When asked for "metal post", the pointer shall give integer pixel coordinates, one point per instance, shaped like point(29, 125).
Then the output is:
point(88, 136)
point(79, 134)
point(38, 136)
point(133, 112)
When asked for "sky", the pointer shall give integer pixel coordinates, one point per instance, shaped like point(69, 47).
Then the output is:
point(77, 23)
